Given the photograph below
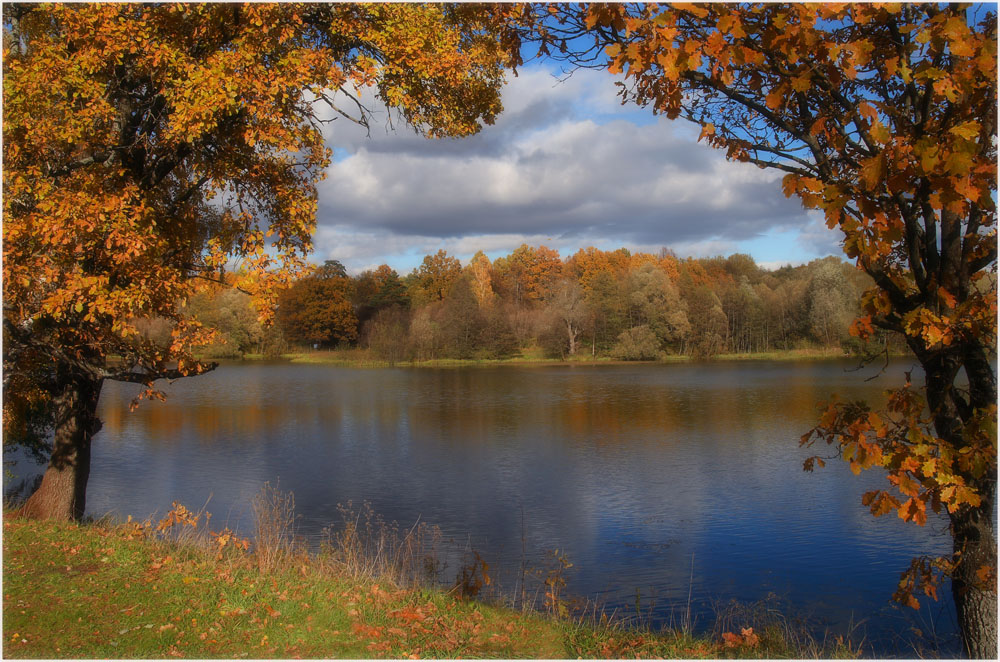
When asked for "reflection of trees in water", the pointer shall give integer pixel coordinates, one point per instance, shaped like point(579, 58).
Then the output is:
point(165, 422)
point(471, 406)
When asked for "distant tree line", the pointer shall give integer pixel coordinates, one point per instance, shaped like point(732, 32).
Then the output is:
point(630, 306)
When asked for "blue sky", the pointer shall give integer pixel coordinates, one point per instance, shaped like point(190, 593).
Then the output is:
point(566, 165)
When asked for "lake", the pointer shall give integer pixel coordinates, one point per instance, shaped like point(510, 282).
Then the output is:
point(673, 486)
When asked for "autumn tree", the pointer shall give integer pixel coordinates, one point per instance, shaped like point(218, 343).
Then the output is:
point(784, 304)
point(708, 323)
point(317, 309)
point(388, 334)
point(830, 303)
point(481, 273)
point(425, 335)
point(588, 264)
point(435, 276)
point(149, 145)
point(741, 306)
point(460, 319)
point(510, 275)
point(884, 118)
point(528, 274)
point(639, 343)
point(607, 307)
point(544, 273)
point(229, 312)
point(655, 302)
point(569, 306)
point(378, 289)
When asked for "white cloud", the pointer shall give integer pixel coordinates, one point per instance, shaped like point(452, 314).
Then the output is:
point(565, 165)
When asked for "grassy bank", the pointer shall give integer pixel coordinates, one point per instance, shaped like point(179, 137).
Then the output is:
point(360, 358)
point(97, 590)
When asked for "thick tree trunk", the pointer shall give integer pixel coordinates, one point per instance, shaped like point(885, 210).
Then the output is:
point(975, 599)
point(63, 491)
point(972, 530)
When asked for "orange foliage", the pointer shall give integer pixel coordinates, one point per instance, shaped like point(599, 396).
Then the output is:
point(587, 263)
point(318, 310)
point(146, 145)
point(746, 638)
point(529, 274)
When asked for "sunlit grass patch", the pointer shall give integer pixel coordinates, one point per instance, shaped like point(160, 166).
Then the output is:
point(786, 355)
point(90, 591)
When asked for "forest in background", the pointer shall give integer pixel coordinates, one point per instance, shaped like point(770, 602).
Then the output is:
point(618, 304)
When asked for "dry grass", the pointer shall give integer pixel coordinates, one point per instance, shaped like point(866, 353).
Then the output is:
point(779, 634)
point(368, 546)
point(274, 527)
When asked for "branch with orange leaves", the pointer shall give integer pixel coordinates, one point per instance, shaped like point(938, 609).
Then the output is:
point(20, 335)
point(925, 471)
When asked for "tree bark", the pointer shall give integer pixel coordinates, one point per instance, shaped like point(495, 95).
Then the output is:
point(973, 537)
point(975, 547)
point(63, 491)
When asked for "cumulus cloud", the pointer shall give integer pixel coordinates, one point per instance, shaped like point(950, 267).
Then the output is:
point(565, 165)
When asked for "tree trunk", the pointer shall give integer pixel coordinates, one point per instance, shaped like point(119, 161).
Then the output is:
point(975, 541)
point(571, 331)
point(975, 599)
point(63, 491)
point(973, 536)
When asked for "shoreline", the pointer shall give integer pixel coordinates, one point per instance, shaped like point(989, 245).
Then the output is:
point(198, 594)
point(356, 359)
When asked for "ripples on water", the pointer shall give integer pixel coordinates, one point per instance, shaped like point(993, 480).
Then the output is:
point(665, 479)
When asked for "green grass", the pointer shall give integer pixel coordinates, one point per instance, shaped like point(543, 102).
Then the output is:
point(101, 591)
point(786, 355)
point(89, 591)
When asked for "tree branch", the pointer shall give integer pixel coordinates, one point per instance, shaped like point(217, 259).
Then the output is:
point(150, 377)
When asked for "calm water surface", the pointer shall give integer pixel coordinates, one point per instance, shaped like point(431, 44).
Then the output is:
point(665, 480)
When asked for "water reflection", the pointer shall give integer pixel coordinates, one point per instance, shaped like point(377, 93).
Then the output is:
point(666, 479)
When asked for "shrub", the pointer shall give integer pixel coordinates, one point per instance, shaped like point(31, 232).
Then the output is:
point(637, 344)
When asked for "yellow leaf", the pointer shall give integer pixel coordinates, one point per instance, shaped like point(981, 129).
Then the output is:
point(698, 11)
point(872, 171)
point(968, 130)
point(880, 132)
point(802, 82)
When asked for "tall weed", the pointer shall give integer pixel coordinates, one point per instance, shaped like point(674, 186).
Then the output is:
point(764, 628)
point(368, 546)
point(274, 527)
